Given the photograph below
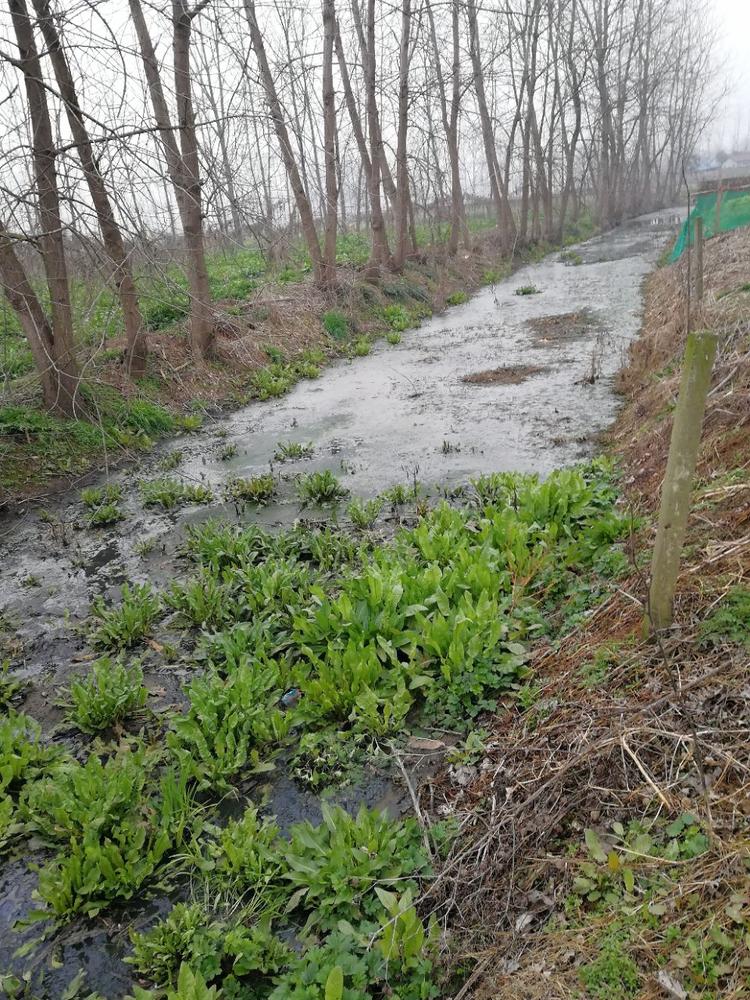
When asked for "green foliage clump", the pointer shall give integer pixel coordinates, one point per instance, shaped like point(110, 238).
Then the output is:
point(230, 720)
point(116, 824)
point(126, 625)
point(393, 337)
point(255, 489)
point(364, 513)
point(320, 488)
point(289, 451)
point(170, 493)
point(361, 347)
point(334, 868)
point(456, 298)
point(245, 862)
point(336, 324)
point(527, 290)
point(398, 318)
point(613, 974)
point(730, 622)
point(109, 693)
point(211, 947)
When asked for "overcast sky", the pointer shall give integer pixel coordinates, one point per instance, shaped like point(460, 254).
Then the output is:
point(733, 19)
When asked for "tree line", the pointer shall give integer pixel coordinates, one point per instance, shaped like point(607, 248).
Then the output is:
point(257, 123)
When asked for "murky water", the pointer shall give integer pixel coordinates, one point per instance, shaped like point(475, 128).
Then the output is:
point(400, 412)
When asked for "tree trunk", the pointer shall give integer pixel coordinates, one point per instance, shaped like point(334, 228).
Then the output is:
point(182, 164)
point(329, 144)
point(301, 198)
point(402, 171)
point(110, 230)
point(201, 314)
point(64, 370)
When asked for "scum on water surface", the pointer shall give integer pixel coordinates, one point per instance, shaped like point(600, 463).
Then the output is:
point(218, 611)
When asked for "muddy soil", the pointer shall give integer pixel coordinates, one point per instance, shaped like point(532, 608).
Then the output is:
point(400, 412)
point(509, 375)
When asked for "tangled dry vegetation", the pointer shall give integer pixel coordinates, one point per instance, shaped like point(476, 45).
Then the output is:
point(604, 826)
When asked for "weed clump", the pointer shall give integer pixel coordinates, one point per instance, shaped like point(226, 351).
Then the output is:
point(320, 488)
point(336, 325)
point(290, 451)
point(255, 490)
point(361, 347)
point(527, 290)
point(110, 692)
point(124, 626)
point(730, 621)
point(456, 298)
point(170, 493)
point(364, 513)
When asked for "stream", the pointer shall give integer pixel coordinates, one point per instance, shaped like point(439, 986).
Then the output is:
point(506, 381)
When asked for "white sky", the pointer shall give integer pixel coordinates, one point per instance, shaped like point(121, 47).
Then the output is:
point(733, 21)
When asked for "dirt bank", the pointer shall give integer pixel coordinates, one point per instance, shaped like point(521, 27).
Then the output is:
point(605, 826)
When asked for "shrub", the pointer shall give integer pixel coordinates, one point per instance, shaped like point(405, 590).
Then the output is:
point(109, 693)
point(320, 488)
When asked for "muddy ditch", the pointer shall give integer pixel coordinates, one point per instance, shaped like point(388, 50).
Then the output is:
point(400, 415)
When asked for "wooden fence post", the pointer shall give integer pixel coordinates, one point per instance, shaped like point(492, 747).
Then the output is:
point(678, 480)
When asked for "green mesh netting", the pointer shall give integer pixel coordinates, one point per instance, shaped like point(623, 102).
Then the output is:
point(734, 212)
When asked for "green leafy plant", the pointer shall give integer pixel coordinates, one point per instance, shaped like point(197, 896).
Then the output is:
point(95, 496)
point(254, 490)
point(456, 298)
point(336, 324)
point(102, 502)
point(397, 317)
point(364, 513)
point(527, 290)
point(320, 488)
point(731, 619)
point(214, 949)
point(361, 347)
point(170, 493)
point(124, 626)
point(393, 337)
point(612, 975)
point(334, 868)
point(288, 451)
point(111, 691)
point(227, 452)
point(229, 721)
point(116, 828)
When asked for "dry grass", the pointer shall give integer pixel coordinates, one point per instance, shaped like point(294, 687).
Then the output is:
point(662, 730)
